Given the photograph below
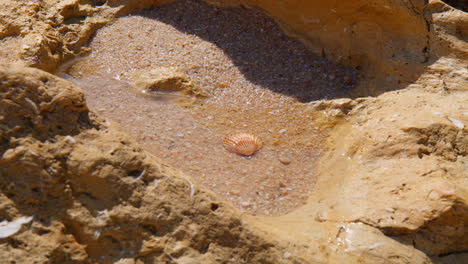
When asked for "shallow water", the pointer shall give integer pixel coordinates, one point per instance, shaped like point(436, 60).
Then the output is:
point(257, 79)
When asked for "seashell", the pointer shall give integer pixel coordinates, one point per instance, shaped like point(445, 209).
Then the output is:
point(242, 143)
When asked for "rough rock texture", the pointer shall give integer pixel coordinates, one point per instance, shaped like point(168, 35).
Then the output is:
point(50, 31)
point(165, 80)
point(402, 172)
point(392, 189)
point(408, 167)
point(95, 195)
point(391, 42)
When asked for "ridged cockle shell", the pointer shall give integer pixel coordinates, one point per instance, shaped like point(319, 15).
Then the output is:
point(242, 143)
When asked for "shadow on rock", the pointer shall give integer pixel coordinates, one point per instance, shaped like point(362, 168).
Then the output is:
point(259, 49)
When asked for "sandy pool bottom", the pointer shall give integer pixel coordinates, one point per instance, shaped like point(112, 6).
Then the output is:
point(258, 79)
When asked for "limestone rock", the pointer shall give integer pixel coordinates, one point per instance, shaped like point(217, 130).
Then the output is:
point(95, 193)
point(165, 80)
point(391, 189)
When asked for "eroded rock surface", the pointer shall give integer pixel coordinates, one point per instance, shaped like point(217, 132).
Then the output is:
point(165, 80)
point(390, 42)
point(95, 195)
point(392, 189)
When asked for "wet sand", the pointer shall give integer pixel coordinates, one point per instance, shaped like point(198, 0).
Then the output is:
point(258, 80)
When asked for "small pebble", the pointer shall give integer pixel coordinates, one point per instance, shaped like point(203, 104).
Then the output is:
point(245, 204)
point(284, 160)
